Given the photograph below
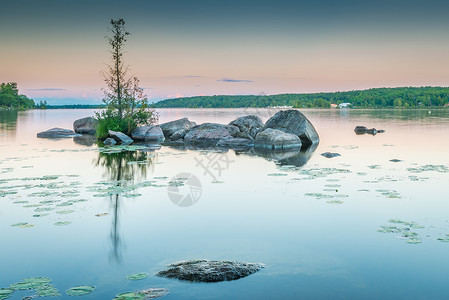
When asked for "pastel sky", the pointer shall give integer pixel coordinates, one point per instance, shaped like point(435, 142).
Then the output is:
point(55, 50)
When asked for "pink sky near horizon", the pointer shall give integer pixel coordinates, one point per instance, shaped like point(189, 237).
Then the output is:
point(58, 61)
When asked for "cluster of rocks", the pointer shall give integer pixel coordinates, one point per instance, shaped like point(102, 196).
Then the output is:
point(363, 130)
point(288, 129)
point(285, 130)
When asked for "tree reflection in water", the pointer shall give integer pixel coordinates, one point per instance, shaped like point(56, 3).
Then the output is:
point(123, 170)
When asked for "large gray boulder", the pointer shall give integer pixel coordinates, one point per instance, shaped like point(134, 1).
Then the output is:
point(250, 125)
point(294, 122)
point(120, 137)
point(85, 125)
point(209, 133)
point(203, 270)
point(57, 133)
point(170, 128)
point(275, 139)
point(148, 133)
point(180, 134)
point(235, 143)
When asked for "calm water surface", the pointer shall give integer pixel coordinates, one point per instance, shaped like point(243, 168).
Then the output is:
point(315, 225)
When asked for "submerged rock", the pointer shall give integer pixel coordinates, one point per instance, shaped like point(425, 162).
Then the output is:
point(250, 125)
point(57, 133)
point(294, 122)
point(276, 139)
point(170, 128)
point(85, 125)
point(210, 270)
point(148, 133)
point(209, 133)
point(235, 143)
point(330, 154)
point(120, 137)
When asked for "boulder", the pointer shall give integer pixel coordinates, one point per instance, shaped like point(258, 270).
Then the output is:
point(250, 125)
point(57, 133)
point(109, 142)
point(203, 270)
point(178, 134)
point(148, 133)
point(209, 133)
point(276, 139)
point(120, 137)
point(235, 143)
point(294, 122)
point(85, 125)
point(170, 128)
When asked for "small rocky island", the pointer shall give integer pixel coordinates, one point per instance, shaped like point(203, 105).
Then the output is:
point(287, 137)
point(288, 129)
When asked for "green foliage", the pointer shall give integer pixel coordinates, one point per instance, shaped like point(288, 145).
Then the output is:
point(10, 98)
point(406, 97)
point(126, 105)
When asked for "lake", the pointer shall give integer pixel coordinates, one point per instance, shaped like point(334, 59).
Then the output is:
point(369, 224)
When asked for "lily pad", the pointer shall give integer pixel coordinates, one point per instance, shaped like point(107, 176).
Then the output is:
point(137, 276)
point(47, 290)
point(80, 290)
point(5, 293)
point(129, 296)
point(30, 283)
point(64, 212)
point(63, 223)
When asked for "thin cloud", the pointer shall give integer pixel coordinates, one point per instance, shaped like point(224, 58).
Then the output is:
point(46, 89)
point(234, 80)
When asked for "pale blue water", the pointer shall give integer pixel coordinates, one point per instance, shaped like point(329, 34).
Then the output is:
point(313, 248)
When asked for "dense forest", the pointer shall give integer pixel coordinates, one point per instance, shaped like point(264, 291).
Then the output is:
point(10, 98)
point(401, 97)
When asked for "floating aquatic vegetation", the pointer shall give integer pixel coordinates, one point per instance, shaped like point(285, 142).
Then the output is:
point(30, 283)
point(5, 193)
point(40, 209)
point(444, 239)
point(62, 223)
point(217, 181)
point(47, 290)
point(42, 194)
point(363, 190)
point(374, 167)
point(277, 174)
point(330, 190)
point(318, 195)
point(335, 201)
point(20, 202)
point(143, 294)
point(67, 203)
point(416, 178)
point(101, 215)
point(80, 290)
point(132, 195)
point(429, 168)
point(32, 205)
point(40, 215)
point(161, 177)
point(362, 173)
point(5, 293)
point(403, 227)
point(64, 212)
point(322, 172)
point(137, 276)
point(332, 185)
point(388, 145)
point(22, 225)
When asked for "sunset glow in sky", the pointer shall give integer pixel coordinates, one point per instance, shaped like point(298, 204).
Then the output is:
point(55, 50)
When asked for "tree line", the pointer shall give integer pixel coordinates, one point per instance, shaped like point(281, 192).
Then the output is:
point(10, 98)
point(401, 97)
